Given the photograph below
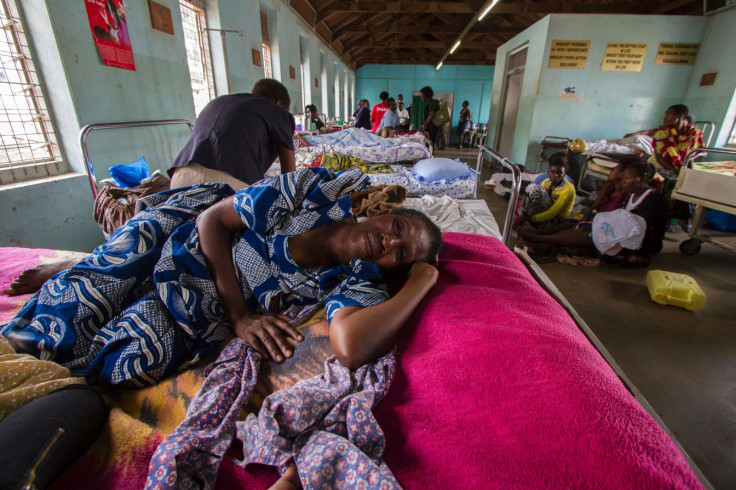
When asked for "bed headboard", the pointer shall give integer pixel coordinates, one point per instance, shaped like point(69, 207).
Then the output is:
point(167, 140)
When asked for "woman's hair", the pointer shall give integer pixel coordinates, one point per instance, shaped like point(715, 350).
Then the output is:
point(629, 160)
point(435, 235)
point(427, 91)
point(312, 108)
point(679, 109)
point(270, 89)
point(639, 169)
point(465, 102)
point(389, 100)
point(690, 118)
point(383, 95)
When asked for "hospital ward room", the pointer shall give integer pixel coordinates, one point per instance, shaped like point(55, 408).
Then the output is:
point(284, 244)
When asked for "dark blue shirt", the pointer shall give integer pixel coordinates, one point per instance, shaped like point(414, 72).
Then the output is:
point(363, 120)
point(238, 134)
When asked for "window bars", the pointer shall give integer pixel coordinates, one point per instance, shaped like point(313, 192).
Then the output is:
point(198, 52)
point(28, 147)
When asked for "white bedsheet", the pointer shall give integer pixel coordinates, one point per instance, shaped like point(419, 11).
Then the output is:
point(464, 216)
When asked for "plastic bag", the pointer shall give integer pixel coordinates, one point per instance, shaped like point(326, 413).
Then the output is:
point(130, 174)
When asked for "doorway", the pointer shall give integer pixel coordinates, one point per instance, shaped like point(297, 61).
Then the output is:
point(511, 94)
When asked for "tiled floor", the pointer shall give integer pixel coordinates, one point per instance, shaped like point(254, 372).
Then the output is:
point(683, 362)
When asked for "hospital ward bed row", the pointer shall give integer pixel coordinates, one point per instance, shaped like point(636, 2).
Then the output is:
point(596, 159)
point(496, 384)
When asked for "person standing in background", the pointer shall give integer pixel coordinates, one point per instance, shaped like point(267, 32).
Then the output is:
point(378, 111)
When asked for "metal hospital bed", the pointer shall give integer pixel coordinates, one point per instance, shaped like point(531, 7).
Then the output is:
point(701, 185)
point(86, 130)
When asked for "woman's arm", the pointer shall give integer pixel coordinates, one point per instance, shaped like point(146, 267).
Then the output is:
point(566, 195)
point(217, 227)
point(362, 335)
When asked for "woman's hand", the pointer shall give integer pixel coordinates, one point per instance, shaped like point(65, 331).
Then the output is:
point(425, 271)
point(266, 333)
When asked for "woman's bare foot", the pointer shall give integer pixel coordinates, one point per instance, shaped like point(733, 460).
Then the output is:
point(30, 280)
point(289, 480)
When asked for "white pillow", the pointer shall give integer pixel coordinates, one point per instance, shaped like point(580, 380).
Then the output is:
point(440, 169)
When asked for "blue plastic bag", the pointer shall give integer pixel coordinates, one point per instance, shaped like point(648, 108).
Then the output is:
point(130, 174)
point(721, 221)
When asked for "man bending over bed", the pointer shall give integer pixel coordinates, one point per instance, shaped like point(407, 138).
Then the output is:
point(235, 140)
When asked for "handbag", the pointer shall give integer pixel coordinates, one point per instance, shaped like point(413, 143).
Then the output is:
point(441, 117)
point(114, 206)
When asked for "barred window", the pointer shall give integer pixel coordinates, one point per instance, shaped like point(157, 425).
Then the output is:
point(29, 149)
point(198, 52)
point(266, 45)
point(732, 139)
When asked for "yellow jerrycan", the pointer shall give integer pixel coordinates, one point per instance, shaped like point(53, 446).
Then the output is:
point(671, 288)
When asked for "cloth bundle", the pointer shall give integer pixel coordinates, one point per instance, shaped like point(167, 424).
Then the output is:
point(115, 205)
point(377, 199)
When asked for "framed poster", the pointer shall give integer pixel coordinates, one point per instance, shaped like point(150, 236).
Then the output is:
point(624, 56)
point(109, 28)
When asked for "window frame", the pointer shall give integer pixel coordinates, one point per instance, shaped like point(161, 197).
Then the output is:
point(50, 162)
point(203, 53)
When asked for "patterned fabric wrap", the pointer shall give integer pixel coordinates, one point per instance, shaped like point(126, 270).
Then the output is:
point(536, 200)
point(350, 137)
point(325, 423)
point(460, 189)
point(336, 162)
point(674, 146)
point(103, 315)
point(105, 318)
point(390, 154)
point(190, 456)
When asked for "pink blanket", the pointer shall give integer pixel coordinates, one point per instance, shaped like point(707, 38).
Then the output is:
point(496, 387)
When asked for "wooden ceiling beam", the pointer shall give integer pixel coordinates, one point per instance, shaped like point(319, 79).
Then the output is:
point(492, 29)
point(403, 7)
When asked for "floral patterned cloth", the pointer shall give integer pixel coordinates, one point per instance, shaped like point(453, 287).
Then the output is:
point(324, 424)
point(674, 146)
point(190, 457)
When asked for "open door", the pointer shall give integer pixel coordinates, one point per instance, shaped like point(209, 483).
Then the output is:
point(511, 94)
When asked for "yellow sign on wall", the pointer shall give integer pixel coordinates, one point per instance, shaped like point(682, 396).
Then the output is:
point(676, 54)
point(624, 56)
point(568, 54)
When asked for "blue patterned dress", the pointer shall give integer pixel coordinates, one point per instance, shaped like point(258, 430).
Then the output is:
point(143, 303)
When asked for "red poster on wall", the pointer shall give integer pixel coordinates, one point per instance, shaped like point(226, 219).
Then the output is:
point(110, 31)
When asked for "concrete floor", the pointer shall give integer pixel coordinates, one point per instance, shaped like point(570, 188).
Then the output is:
point(683, 362)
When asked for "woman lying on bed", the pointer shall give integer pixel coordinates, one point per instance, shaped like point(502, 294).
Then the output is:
point(202, 263)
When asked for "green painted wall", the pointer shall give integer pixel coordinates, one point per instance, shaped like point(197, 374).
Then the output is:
point(80, 89)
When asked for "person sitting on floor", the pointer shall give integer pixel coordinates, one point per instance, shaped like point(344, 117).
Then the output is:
point(641, 200)
point(612, 195)
point(549, 203)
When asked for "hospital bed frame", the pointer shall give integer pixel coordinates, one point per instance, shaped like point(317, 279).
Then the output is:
point(549, 286)
point(84, 132)
point(692, 245)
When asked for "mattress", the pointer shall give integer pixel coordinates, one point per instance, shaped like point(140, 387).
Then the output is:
point(711, 184)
